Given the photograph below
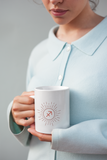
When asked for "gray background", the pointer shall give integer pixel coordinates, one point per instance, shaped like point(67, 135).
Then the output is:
point(23, 24)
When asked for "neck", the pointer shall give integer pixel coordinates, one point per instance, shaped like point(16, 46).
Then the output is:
point(86, 20)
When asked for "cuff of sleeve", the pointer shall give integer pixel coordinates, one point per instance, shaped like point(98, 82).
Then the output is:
point(16, 129)
point(13, 127)
point(55, 137)
point(20, 133)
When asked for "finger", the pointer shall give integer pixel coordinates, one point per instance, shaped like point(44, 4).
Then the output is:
point(27, 107)
point(23, 107)
point(29, 113)
point(32, 125)
point(24, 114)
point(28, 93)
point(41, 136)
point(23, 100)
point(26, 123)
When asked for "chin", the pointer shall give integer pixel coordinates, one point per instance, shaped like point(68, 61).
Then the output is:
point(60, 21)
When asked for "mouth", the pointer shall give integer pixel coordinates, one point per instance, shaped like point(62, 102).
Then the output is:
point(58, 12)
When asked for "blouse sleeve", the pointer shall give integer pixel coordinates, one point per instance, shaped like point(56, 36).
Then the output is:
point(22, 135)
point(89, 137)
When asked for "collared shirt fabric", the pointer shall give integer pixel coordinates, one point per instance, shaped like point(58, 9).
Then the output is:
point(82, 66)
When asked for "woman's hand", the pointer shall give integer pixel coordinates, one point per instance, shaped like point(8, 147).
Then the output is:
point(23, 107)
point(41, 136)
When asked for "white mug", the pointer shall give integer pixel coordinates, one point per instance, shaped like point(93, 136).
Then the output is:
point(52, 108)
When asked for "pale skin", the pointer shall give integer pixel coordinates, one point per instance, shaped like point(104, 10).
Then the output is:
point(78, 20)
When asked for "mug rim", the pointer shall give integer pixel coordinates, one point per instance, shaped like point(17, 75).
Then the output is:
point(52, 88)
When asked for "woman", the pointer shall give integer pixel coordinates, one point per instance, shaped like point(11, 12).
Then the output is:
point(74, 55)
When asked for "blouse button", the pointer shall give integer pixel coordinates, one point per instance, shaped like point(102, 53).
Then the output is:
point(68, 48)
point(60, 77)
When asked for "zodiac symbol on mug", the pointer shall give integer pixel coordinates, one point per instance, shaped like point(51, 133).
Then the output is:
point(49, 113)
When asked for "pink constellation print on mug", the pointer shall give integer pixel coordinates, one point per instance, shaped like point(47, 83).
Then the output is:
point(49, 113)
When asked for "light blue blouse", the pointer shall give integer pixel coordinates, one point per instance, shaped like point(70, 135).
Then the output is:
point(82, 66)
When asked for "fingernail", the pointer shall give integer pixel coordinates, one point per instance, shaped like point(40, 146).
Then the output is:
point(28, 129)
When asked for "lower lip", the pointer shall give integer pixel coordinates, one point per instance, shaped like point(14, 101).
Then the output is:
point(58, 13)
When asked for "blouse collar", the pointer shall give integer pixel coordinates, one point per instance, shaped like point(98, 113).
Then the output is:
point(88, 43)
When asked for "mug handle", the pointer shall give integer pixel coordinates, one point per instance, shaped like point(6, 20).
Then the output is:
point(32, 97)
